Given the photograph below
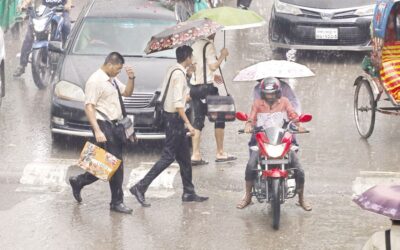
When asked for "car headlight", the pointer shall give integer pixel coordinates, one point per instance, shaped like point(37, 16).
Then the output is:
point(68, 91)
point(286, 8)
point(39, 24)
point(365, 11)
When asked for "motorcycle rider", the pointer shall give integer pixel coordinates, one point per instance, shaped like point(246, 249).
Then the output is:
point(271, 102)
point(28, 41)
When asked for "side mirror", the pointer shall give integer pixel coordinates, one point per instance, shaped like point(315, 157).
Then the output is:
point(56, 47)
point(242, 116)
point(305, 118)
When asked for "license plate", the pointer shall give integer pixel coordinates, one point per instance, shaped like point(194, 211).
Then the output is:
point(326, 33)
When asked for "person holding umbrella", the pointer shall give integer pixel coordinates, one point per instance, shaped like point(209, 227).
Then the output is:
point(207, 62)
point(385, 200)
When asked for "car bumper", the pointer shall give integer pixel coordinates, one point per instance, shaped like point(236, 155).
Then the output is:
point(68, 118)
point(297, 32)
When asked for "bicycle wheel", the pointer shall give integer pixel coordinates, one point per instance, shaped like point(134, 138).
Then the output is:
point(364, 109)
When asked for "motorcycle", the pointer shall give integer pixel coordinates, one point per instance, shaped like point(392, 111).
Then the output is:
point(47, 24)
point(275, 182)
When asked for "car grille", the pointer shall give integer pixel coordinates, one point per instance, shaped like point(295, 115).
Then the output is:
point(328, 15)
point(351, 35)
point(138, 100)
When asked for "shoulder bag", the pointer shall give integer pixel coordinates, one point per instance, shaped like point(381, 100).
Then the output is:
point(158, 121)
point(219, 108)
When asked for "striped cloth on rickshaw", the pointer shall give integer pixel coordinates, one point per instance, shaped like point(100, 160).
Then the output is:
point(390, 72)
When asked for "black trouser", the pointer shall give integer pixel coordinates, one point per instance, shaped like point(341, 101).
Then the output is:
point(113, 146)
point(197, 93)
point(176, 148)
point(251, 173)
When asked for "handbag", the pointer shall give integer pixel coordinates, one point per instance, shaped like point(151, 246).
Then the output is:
point(98, 162)
point(219, 108)
point(158, 121)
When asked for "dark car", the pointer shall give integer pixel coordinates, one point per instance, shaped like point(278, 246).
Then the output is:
point(102, 27)
point(321, 24)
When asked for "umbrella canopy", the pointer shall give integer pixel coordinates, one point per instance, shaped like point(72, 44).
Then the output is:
point(381, 199)
point(273, 68)
point(231, 18)
point(181, 34)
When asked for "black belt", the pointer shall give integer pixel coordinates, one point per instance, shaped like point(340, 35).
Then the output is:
point(175, 114)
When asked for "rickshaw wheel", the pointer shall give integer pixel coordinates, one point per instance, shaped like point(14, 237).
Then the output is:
point(364, 109)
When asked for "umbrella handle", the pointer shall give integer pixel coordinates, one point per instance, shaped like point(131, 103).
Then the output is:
point(223, 80)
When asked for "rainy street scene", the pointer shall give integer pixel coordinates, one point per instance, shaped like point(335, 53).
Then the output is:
point(200, 124)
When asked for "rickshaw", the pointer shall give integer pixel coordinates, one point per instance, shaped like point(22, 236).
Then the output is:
point(382, 69)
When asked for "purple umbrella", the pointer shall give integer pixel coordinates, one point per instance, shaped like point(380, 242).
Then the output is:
point(381, 199)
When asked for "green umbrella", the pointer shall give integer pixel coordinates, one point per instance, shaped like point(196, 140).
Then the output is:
point(231, 18)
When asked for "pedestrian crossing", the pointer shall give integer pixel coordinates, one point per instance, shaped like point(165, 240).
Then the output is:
point(52, 175)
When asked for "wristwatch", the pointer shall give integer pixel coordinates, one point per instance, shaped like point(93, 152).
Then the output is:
point(132, 78)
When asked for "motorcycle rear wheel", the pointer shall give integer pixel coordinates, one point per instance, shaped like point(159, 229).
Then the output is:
point(275, 202)
point(40, 69)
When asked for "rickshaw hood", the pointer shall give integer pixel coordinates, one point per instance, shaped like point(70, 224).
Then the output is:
point(381, 16)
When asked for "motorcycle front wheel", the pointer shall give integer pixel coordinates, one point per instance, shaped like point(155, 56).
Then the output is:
point(275, 202)
point(40, 68)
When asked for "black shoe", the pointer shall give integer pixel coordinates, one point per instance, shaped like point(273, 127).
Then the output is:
point(76, 188)
point(139, 196)
point(193, 197)
point(120, 208)
point(19, 71)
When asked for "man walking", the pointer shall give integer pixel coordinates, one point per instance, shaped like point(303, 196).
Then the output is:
point(175, 95)
point(207, 63)
point(103, 109)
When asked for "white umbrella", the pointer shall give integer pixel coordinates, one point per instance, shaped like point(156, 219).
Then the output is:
point(273, 68)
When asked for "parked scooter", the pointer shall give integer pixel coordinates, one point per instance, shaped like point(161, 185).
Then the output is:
point(275, 182)
point(47, 24)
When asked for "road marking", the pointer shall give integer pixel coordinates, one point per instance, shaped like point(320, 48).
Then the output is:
point(161, 187)
point(44, 175)
point(368, 179)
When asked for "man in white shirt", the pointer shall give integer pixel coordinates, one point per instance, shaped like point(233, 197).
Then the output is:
point(176, 146)
point(207, 62)
point(103, 109)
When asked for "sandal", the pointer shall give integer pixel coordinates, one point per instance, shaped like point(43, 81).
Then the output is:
point(307, 207)
point(244, 203)
point(199, 162)
point(229, 158)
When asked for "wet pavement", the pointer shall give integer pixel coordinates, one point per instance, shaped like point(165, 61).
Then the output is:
point(37, 209)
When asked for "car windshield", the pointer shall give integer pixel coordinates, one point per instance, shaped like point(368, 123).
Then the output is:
point(330, 4)
point(100, 36)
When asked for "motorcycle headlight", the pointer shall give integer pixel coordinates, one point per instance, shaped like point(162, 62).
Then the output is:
point(275, 151)
point(68, 91)
point(39, 24)
point(287, 8)
point(365, 11)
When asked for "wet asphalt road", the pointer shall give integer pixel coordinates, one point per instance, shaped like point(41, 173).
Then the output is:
point(37, 210)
